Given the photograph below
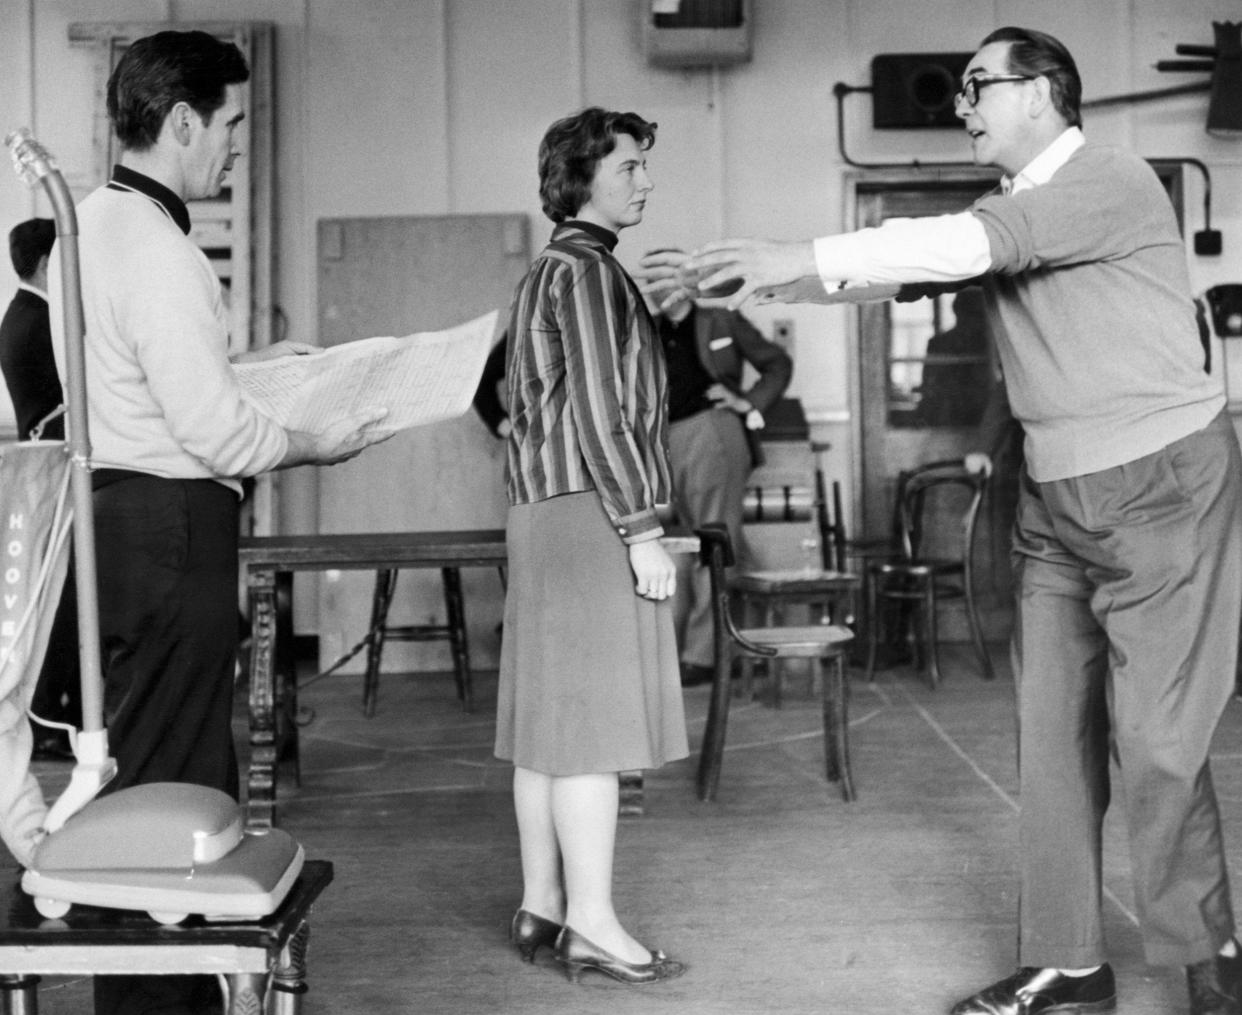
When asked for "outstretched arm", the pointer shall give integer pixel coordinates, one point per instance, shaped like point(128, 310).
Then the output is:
point(755, 262)
point(937, 248)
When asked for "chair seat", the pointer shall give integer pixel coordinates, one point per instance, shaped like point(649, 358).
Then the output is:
point(830, 593)
point(918, 567)
point(792, 582)
point(811, 641)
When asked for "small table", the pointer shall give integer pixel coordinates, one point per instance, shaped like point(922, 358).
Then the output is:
point(266, 561)
point(99, 942)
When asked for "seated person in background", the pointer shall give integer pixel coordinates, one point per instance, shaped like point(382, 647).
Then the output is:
point(29, 370)
point(714, 429)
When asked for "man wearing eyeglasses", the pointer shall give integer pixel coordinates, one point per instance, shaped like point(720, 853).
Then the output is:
point(1128, 537)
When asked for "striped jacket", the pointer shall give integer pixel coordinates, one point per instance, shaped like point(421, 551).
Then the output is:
point(587, 387)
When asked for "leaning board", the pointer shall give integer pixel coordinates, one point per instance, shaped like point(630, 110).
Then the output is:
point(395, 275)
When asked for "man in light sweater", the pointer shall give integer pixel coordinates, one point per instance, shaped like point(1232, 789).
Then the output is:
point(172, 436)
point(1128, 538)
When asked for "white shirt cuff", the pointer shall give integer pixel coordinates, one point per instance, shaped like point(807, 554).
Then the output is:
point(938, 248)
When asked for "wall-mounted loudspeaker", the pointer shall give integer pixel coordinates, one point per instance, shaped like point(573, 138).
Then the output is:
point(916, 89)
point(696, 33)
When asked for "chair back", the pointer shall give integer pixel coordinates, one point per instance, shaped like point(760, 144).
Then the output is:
point(831, 524)
point(939, 507)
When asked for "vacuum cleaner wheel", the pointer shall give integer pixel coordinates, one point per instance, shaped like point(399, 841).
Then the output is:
point(53, 909)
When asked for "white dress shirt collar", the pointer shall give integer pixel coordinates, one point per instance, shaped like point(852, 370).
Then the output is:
point(1040, 169)
point(32, 289)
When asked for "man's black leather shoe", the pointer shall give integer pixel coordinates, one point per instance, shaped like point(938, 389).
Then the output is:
point(1215, 986)
point(1031, 991)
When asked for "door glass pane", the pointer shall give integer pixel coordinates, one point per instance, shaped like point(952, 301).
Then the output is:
point(938, 361)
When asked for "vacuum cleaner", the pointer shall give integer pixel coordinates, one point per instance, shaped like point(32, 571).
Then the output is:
point(170, 849)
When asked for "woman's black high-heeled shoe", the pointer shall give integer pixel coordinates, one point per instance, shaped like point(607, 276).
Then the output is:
point(530, 932)
point(576, 954)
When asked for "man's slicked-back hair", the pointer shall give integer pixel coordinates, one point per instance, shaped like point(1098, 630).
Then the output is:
point(158, 71)
point(1041, 55)
point(570, 152)
point(29, 241)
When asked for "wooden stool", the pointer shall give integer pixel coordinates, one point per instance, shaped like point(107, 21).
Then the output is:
point(248, 957)
point(454, 631)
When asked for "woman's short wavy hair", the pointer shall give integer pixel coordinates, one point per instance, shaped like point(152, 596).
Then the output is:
point(1041, 55)
point(570, 152)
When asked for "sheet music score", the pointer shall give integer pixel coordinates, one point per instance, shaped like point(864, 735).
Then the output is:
point(420, 379)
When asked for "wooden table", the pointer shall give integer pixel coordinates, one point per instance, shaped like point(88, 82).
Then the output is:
point(268, 563)
point(97, 942)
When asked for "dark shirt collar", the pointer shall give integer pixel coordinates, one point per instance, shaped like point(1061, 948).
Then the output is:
point(124, 178)
point(605, 236)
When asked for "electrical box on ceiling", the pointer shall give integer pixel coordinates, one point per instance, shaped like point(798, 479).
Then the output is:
point(916, 89)
point(696, 33)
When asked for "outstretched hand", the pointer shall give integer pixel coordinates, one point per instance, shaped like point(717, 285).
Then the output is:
point(659, 278)
point(339, 442)
point(346, 438)
point(755, 263)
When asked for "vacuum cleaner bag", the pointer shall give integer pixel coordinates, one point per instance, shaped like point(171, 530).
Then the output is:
point(34, 558)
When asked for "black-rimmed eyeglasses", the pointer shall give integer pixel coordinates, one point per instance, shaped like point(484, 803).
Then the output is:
point(970, 87)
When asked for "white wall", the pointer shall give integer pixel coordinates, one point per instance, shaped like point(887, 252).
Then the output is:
point(437, 106)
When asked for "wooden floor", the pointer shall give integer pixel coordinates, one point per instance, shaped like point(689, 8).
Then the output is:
point(779, 896)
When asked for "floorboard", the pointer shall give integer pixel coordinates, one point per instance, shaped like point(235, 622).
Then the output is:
point(779, 896)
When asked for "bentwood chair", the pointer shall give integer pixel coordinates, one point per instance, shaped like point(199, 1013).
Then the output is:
point(825, 588)
point(938, 509)
point(826, 644)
